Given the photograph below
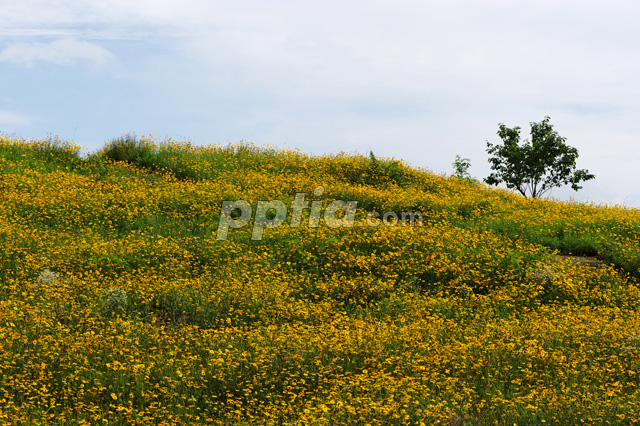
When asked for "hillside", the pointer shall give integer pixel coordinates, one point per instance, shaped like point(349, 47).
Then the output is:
point(121, 303)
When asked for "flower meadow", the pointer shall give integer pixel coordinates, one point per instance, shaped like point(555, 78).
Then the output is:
point(118, 305)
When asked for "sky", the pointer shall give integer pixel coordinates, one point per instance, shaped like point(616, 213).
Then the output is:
point(415, 80)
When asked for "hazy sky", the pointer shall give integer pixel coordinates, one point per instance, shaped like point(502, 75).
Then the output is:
point(420, 81)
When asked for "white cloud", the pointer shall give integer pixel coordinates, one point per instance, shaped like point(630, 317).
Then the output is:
point(110, 33)
point(68, 52)
point(8, 118)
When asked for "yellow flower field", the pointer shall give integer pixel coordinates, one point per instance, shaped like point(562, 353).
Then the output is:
point(120, 305)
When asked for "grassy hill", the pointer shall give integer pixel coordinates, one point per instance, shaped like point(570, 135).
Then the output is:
point(120, 305)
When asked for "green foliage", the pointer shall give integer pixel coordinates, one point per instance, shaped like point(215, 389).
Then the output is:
point(381, 171)
point(145, 154)
point(371, 171)
point(45, 154)
point(535, 167)
point(128, 149)
point(461, 170)
point(186, 161)
point(461, 166)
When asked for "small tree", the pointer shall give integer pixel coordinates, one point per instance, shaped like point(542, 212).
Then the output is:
point(537, 166)
point(461, 169)
point(461, 166)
